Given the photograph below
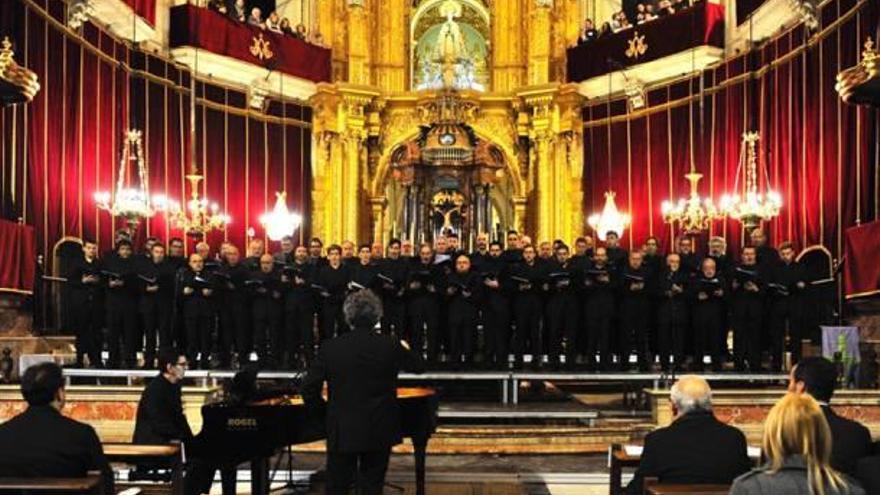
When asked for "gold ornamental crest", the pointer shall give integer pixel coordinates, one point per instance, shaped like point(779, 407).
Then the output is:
point(637, 46)
point(261, 48)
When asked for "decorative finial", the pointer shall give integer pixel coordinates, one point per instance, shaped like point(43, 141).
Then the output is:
point(869, 54)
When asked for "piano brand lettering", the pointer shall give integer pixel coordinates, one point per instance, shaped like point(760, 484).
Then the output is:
point(241, 422)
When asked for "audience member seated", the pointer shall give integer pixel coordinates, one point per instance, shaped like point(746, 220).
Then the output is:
point(797, 445)
point(218, 6)
point(239, 11)
point(817, 377)
point(285, 27)
point(696, 448)
point(605, 30)
point(41, 442)
point(588, 33)
point(665, 8)
point(256, 18)
point(273, 23)
point(301, 32)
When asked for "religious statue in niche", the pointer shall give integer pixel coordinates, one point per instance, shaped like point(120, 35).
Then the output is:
point(451, 54)
point(448, 208)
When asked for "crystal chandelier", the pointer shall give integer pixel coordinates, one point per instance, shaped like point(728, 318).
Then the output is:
point(201, 215)
point(128, 201)
point(280, 222)
point(755, 207)
point(693, 214)
point(610, 219)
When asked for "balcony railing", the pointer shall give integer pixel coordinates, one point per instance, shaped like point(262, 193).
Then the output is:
point(192, 26)
point(700, 25)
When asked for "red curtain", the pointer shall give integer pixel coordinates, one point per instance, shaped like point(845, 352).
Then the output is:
point(65, 145)
point(817, 151)
point(146, 9)
point(861, 272)
point(18, 255)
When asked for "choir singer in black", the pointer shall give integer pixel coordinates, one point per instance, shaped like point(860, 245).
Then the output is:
point(363, 418)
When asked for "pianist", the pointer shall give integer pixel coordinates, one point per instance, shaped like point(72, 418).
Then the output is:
point(160, 418)
point(363, 420)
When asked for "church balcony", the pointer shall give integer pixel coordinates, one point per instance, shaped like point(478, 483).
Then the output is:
point(215, 45)
point(131, 20)
point(664, 48)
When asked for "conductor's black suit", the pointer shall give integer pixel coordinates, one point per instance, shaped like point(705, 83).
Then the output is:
point(363, 420)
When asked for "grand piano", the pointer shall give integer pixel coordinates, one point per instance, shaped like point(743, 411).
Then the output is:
point(253, 431)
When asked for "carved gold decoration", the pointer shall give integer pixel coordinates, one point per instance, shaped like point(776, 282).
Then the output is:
point(261, 48)
point(367, 122)
point(861, 84)
point(17, 83)
point(637, 46)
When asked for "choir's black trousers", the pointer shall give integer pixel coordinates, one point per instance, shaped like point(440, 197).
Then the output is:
point(673, 319)
point(747, 314)
point(299, 322)
point(496, 328)
point(266, 322)
point(88, 331)
point(785, 312)
point(463, 318)
point(330, 320)
point(527, 311)
point(156, 317)
point(562, 322)
point(122, 327)
point(424, 325)
point(235, 331)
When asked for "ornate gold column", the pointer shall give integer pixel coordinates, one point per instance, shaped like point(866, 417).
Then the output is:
point(392, 43)
point(508, 41)
point(358, 42)
point(340, 161)
point(553, 124)
point(540, 30)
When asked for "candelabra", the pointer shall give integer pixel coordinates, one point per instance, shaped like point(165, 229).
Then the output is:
point(200, 215)
point(128, 201)
point(692, 214)
point(754, 207)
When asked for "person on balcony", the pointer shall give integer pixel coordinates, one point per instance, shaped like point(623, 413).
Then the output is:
point(239, 11)
point(256, 18)
point(285, 27)
point(273, 23)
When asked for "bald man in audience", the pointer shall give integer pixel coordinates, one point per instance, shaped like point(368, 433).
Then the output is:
point(696, 448)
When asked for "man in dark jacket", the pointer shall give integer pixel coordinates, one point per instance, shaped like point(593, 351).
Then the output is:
point(160, 418)
point(86, 298)
point(121, 305)
point(41, 442)
point(156, 297)
point(363, 419)
point(851, 441)
point(696, 448)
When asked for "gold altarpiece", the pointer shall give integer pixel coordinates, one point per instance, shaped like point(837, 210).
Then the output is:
point(492, 73)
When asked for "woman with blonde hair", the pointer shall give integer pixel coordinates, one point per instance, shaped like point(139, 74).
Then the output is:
point(797, 444)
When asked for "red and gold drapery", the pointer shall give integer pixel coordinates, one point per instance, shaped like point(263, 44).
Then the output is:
point(65, 145)
point(821, 154)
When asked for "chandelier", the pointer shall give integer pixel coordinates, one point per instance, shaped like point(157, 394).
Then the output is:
point(610, 219)
point(755, 207)
point(127, 201)
point(693, 214)
point(280, 222)
point(201, 215)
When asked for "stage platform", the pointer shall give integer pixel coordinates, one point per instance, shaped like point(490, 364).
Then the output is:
point(508, 382)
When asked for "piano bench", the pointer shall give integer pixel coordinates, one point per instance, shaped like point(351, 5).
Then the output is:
point(147, 459)
point(91, 485)
point(654, 487)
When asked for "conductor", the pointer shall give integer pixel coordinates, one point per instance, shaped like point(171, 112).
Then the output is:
point(363, 420)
